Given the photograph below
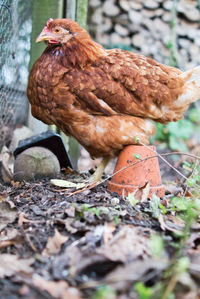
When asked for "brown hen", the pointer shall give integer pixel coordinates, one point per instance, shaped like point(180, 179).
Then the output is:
point(104, 98)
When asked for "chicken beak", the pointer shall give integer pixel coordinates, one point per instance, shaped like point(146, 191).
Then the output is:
point(42, 37)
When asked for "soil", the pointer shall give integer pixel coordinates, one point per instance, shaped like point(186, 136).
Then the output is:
point(57, 243)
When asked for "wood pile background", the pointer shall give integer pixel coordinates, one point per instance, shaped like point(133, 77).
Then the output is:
point(155, 28)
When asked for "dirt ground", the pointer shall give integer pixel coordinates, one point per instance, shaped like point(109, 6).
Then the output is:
point(56, 243)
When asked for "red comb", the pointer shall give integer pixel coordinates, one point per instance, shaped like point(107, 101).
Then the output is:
point(49, 22)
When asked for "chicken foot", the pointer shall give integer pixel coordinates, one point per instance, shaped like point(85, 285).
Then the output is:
point(97, 175)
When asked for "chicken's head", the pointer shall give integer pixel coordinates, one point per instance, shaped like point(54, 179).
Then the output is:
point(60, 31)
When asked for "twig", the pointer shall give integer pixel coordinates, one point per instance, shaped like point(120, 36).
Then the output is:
point(160, 156)
point(171, 286)
point(157, 155)
point(191, 174)
point(169, 164)
point(173, 58)
point(139, 161)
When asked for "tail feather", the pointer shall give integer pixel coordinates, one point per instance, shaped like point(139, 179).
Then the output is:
point(192, 76)
point(191, 91)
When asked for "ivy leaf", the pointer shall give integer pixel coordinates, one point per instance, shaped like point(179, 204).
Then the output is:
point(136, 156)
point(194, 115)
point(181, 129)
point(177, 144)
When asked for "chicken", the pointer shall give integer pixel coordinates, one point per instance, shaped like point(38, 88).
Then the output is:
point(104, 98)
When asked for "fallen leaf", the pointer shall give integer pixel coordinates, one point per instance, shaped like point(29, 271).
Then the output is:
point(22, 219)
point(71, 258)
point(141, 194)
point(7, 214)
point(172, 188)
point(100, 232)
point(24, 290)
point(11, 264)
point(124, 277)
point(6, 173)
point(88, 187)
point(59, 289)
point(128, 244)
point(162, 222)
point(70, 211)
point(108, 232)
point(10, 237)
point(173, 223)
point(54, 244)
point(67, 184)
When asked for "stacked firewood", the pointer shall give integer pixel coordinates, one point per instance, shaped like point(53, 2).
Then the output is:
point(155, 28)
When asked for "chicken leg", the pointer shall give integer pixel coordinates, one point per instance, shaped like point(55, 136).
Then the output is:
point(96, 177)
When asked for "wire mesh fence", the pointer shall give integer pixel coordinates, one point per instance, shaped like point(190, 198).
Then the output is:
point(15, 30)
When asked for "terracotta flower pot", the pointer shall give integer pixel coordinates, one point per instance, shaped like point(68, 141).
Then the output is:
point(134, 177)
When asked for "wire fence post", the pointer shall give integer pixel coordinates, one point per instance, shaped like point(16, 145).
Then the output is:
point(76, 10)
point(81, 12)
point(42, 11)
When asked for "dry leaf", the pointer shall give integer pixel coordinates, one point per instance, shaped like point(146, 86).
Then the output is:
point(11, 264)
point(7, 214)
point(10, 237)
point(67, 184)
point(6, 173)
point(108, 232)
point(128, 244)
point(162, 222)
point(54, 244)
point(173, 223)
point(124, 276)
point(142, 193)
point(22, 219)
point(71, 211)
point(59, 289)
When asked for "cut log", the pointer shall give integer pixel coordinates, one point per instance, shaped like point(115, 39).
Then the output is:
point(135, 17)
point(151, 4)
point(138, 40)
point(95, 3)
point(168, 5)
point(145, 25)
point(167, 17)
point(184, 43)
point(103, 39)
point(189, 9)
point(111, 9)
point(186, 28)
point(116, 40)
point(122, 19)
point(194, 51)
point(106, 24)
point(97, 17)
point(121, 30)
point(125, 4)
point(136, 5)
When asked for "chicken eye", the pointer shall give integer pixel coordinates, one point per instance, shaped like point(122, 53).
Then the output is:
point(57, 30)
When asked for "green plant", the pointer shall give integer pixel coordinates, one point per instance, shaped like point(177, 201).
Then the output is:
point(175, 134)
point(155, 207)
point(119, 46)
point(172, 43)
point(143, 291)
point(157, 246)
point(131, 198)
point(104, 292)
point(188, 210)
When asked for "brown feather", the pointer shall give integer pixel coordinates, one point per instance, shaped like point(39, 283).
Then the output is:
point(104, 98)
